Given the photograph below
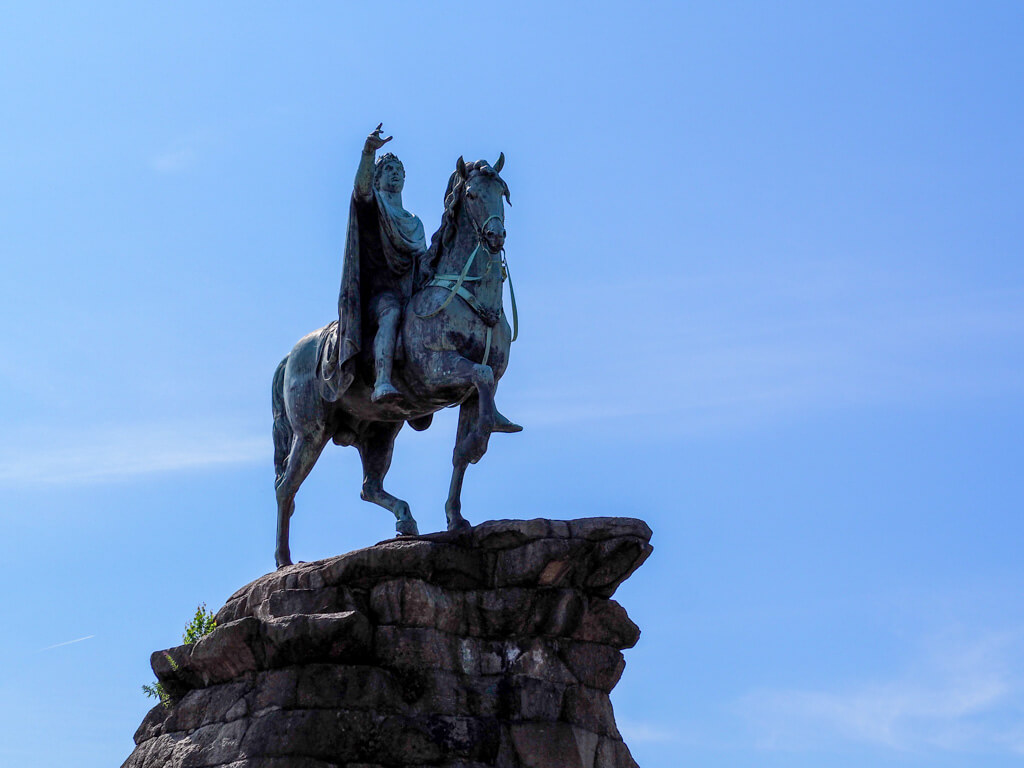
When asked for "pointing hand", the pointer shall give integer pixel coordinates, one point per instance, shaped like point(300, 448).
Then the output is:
point(374, 141)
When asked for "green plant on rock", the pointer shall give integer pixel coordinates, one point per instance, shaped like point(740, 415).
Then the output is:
point(156, 690)
point(201, 625)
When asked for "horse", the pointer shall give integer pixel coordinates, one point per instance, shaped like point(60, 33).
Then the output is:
point(455, 342)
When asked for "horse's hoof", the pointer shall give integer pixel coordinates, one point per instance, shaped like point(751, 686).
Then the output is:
point(407, 528)
point(283, 557)
point(476, 445)
point(462, 524)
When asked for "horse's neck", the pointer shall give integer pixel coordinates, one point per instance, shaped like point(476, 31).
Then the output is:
point(488, 289)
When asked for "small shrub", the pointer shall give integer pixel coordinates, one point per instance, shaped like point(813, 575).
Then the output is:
point(156, 690)
point(201, 625)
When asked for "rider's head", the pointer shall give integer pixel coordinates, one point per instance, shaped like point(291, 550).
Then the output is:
point(389, 174)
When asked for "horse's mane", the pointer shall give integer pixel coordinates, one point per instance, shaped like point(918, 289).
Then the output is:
point(453, 197)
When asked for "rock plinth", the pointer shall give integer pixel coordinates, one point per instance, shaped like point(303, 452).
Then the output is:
point(494, 646)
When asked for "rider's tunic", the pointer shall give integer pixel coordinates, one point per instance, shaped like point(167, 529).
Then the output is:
point(383, 248)
point(389, 250)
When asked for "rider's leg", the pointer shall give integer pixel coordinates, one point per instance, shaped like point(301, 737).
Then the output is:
point(503, 423)
point(388, 315)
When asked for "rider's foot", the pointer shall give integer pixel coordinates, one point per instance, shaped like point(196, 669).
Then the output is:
point(503, 424)
point(385, 392)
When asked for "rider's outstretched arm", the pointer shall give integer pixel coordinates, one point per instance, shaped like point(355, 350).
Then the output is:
point(364, 173)
point(364, 176)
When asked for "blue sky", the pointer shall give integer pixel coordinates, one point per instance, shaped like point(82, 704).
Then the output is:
point(768, 265)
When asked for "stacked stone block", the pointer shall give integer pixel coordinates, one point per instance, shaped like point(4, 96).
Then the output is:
point(495, 646)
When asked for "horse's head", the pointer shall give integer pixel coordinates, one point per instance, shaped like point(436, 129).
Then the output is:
point(476, 190)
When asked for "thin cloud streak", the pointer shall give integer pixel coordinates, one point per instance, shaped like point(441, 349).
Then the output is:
point(107, 456)
point(173, 161)
point(182, 154)
point(966, 699)
point(640, 732)
point(66, 642)
point(712, 366)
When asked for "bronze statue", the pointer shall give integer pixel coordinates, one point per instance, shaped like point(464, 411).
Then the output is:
point(418, 329)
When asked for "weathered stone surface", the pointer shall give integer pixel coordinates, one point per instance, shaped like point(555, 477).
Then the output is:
point(337, 686)
point(554, 745)
point(495, 646)
point(228, 652)
point(151, 725)
point(594, 665)
point(606, 622)
point(545, 562)
point(459, 560)
point(612, 562)
point(589, 709)
point(328, 636)
point(612, 753)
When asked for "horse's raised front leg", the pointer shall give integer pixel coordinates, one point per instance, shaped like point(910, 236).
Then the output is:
point(376, 444)
point(304, 452)
point(476, 422)
point(471, 444)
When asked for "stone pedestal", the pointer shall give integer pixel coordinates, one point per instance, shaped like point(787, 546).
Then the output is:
point(496, 646)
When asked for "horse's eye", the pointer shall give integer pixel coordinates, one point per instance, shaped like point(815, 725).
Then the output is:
point(471, 195)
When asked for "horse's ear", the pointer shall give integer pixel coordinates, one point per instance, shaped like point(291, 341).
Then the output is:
point(500, 164)
point(460, 166)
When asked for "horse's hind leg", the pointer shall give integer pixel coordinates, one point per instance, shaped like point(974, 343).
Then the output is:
point(376, 444)
point(301, 458)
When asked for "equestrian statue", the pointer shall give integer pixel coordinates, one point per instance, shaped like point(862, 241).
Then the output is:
point(419, 328)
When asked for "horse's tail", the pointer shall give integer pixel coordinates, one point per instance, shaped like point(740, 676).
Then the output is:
point(282, 427)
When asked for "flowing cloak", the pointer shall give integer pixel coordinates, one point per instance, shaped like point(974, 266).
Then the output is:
point(383, 246)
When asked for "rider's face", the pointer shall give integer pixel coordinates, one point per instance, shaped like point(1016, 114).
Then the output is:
point(392, 178)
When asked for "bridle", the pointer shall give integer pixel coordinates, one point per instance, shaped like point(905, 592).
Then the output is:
point(455, 284)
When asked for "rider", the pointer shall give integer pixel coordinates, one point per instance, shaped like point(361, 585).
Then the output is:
point(384, 247)
point(390, 253)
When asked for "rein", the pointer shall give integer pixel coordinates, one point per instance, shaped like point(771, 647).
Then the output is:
point(456, 287)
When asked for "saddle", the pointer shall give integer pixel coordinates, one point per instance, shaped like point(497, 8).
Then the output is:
point(332, 383)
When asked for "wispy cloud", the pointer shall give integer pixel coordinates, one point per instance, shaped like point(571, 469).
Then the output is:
point(960, 698)
point(112, 454)
point(722, 353)
point(636, 731)
point(66, 642)
point(183, 153)
point(173, 160)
